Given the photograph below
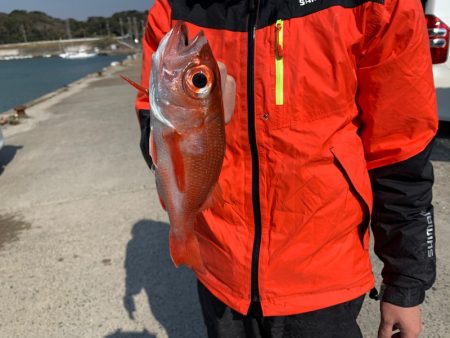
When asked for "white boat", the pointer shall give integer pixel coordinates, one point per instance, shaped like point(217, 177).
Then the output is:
point(80, 54)
point(15, 57)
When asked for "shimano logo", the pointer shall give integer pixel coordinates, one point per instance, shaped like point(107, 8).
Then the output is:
point(305, 2)
point(430, 233)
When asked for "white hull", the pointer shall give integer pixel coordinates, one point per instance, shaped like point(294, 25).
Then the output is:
point(80, 55)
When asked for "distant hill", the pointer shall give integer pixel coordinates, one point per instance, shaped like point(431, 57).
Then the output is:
point(21, 26)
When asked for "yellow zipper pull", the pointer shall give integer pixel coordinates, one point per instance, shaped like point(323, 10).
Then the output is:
point(279, 39)
point(279, 67)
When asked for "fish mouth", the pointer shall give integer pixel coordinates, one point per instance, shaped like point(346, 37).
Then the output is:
point(180, 38)
point(183, 35)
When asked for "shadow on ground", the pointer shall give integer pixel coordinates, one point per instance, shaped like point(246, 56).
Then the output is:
point(171, 292)
point(441, 150)
point(7, 154)
point(125, 334)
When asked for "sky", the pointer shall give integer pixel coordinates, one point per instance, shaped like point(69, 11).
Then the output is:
point(78, 9)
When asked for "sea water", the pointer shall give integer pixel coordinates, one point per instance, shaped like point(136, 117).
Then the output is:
point(22, 81)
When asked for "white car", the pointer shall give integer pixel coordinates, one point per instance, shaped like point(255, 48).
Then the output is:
point(438, 22)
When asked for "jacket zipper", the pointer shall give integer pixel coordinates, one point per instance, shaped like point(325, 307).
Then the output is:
point(279, 66)
point(253, 9)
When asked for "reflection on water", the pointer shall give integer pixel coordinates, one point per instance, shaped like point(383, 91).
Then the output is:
point(22, 81)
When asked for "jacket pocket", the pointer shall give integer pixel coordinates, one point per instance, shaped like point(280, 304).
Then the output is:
point(353, 167)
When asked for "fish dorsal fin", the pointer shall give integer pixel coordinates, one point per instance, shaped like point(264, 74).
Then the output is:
point(173, 139)
point(215, 197)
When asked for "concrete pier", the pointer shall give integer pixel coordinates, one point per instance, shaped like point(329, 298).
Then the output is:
point(83, 240)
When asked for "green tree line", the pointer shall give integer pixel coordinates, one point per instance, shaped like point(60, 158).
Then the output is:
point(24, 26)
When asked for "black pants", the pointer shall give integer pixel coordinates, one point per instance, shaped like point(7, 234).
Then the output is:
point(337, 321)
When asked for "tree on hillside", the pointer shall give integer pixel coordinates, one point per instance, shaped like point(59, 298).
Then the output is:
point(20, 25)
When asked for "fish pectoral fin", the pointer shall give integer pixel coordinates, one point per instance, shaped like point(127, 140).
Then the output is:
point(215, 197)
point(152, 149)
point(173, 139)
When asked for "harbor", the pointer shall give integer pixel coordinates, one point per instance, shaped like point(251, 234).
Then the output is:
point(84, 241)
point(90, 46)
point(25, 80)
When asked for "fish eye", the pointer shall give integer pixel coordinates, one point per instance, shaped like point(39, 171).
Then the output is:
point(199, 81)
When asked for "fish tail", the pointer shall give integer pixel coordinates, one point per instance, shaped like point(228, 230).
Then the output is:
point(185, 250)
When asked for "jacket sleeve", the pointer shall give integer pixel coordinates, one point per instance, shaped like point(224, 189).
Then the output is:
point(398, 117)
point(158, 24)
point(403, 227)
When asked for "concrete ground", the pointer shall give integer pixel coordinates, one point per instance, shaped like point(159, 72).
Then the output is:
point(83, 240)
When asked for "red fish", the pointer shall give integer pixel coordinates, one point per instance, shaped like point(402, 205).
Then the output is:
point(187, 142)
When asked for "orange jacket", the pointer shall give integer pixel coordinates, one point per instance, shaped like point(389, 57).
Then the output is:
point(325, 91)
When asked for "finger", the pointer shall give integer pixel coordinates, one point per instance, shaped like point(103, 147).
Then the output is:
point(409, 329)
point(385, 330)
point(407, 334)
point(229, 97)
point(223, 74)
point(228, 85)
